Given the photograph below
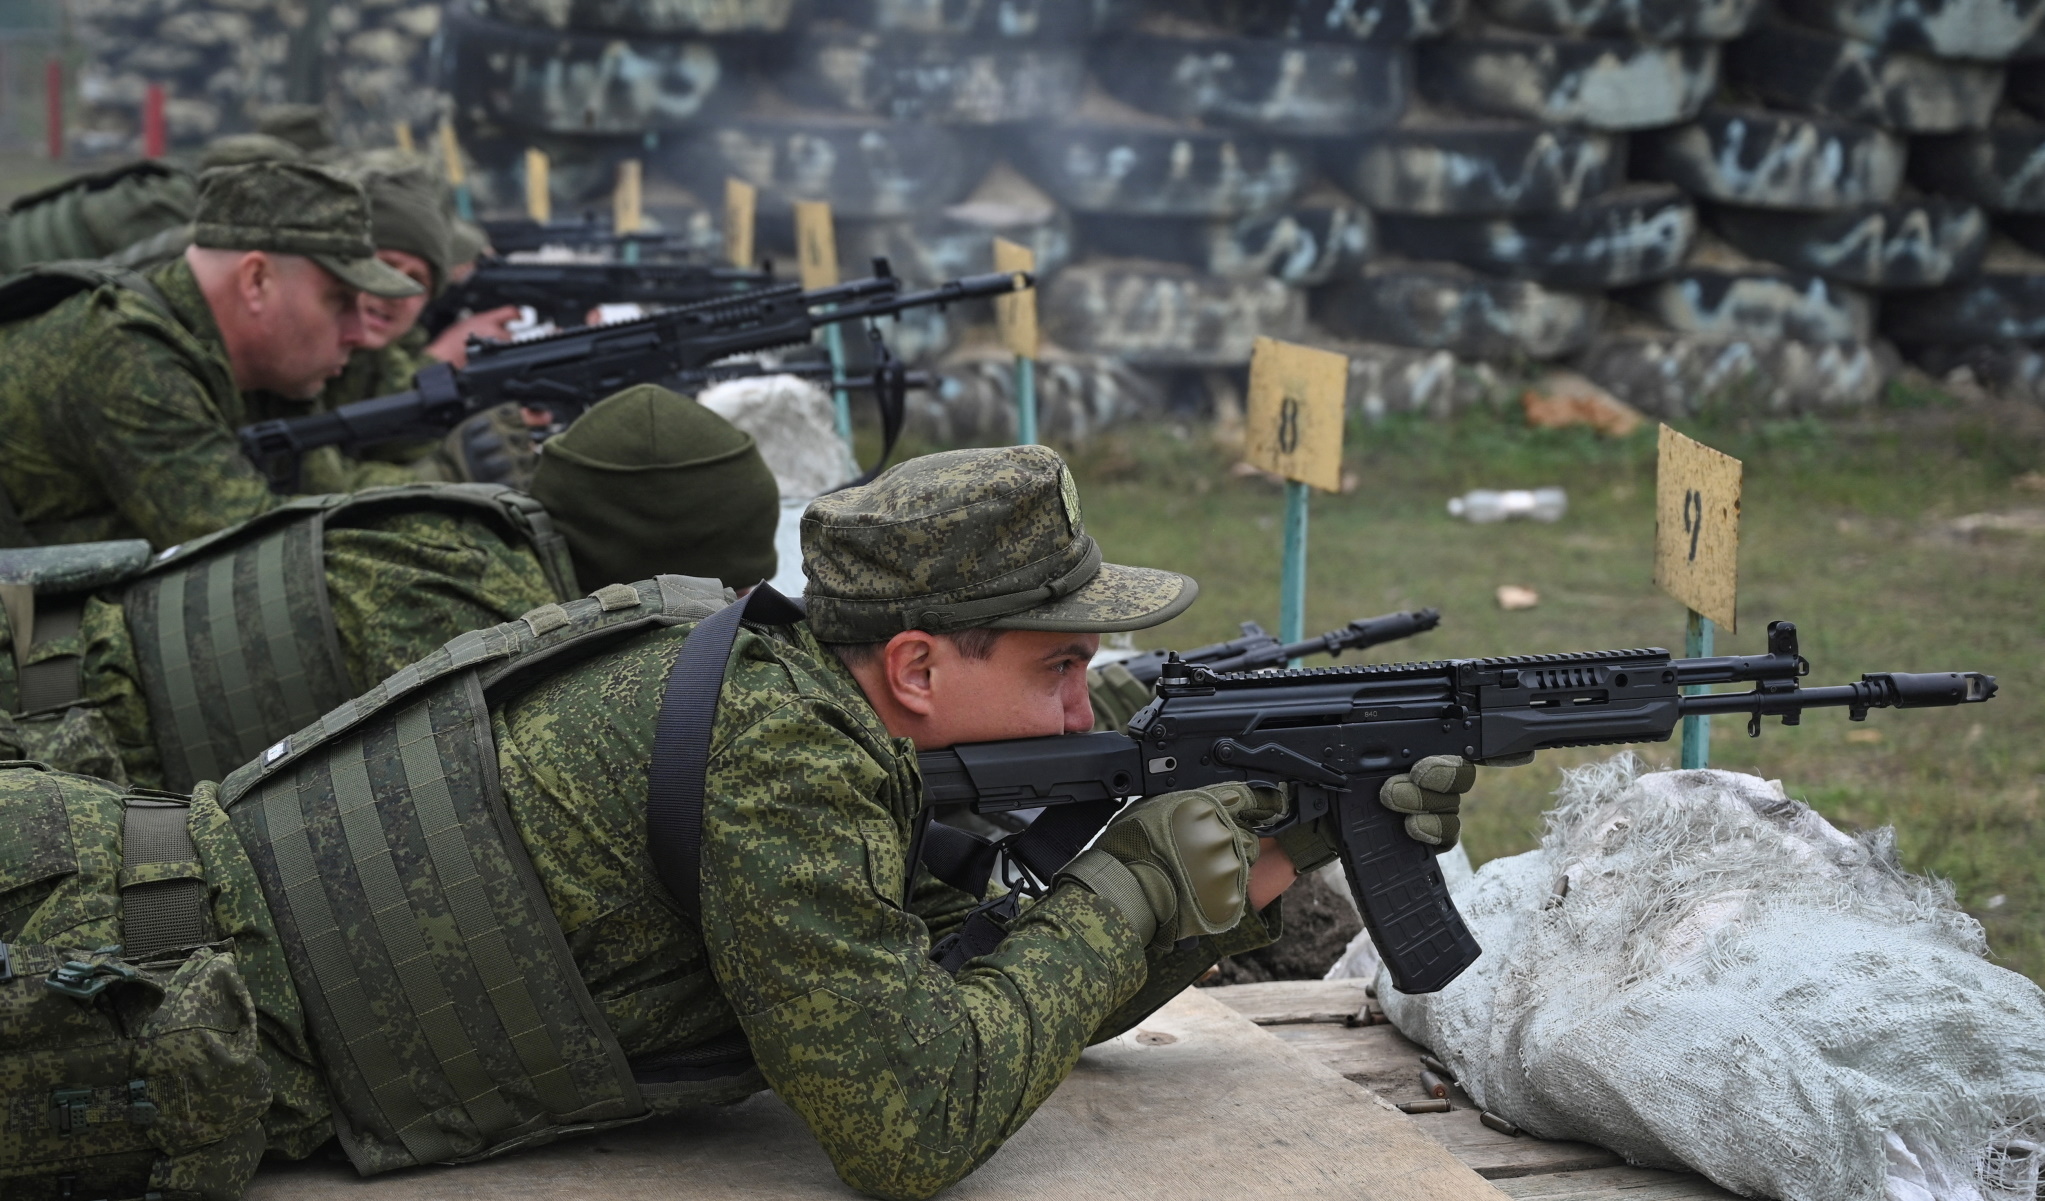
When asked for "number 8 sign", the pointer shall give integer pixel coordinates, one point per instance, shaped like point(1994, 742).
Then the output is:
point(1294, 423)
point(1697, 526)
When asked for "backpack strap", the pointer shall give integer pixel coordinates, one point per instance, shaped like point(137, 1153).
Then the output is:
point(681, 740)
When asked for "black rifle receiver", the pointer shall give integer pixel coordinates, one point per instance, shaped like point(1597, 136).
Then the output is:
point(1336, 734)
point(566, 372)
point(1257, 650)
point(564, 293)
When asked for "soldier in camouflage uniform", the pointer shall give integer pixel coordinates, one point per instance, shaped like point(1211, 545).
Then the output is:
point(955, 599)
point(121, 401)
point(648, 482)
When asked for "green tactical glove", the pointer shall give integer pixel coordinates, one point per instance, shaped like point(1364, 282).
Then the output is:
point(1176, 865)
point(1431, 795)
point(1307, 844)
point(1116, 695)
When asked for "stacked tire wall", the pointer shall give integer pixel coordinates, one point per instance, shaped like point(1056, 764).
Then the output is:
point(1769, 204)
point(222, 61)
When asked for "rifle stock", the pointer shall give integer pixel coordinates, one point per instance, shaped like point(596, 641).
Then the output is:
point(1336, 734)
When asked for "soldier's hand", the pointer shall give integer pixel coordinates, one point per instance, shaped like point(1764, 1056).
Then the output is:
point(1116, 695)
point(1177, 866)
point(452, 346)
point(1308, 844)
point(1431, 795)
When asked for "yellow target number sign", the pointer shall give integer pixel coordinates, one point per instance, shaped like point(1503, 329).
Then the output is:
point(1294, 423)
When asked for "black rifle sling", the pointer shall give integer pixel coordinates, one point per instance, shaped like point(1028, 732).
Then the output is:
point(964, 861)
point(681, 740)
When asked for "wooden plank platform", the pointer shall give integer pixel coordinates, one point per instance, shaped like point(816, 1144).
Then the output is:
point(1310, 1017)
point(1195, 1102)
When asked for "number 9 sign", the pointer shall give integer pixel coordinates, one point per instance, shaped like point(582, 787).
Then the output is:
point(1294, 424)
point(1697, 526)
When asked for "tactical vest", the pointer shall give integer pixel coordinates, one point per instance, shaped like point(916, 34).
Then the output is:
point(449, 1018)
point(234, 633)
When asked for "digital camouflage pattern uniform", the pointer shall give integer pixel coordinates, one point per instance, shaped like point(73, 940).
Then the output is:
point(811, 940)
point(121, 417)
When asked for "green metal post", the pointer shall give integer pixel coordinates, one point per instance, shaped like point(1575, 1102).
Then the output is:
point(1292, 576)
point(834, 342)
point(1697, 640)
point(1025, 401)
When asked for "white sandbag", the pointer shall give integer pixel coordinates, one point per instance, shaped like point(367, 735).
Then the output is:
point(795, 424)
point(1697, 972)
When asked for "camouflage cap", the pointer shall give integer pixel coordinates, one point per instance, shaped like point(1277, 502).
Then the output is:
point(971, 538)
point(295, 208)
point(238, 148)
point(303, 125)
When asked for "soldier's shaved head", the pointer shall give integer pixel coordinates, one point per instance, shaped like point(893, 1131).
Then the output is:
point(287, 323)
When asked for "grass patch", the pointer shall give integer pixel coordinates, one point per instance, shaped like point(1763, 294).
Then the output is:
point(1845, 533)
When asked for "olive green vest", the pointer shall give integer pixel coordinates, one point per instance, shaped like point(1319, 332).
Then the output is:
point(234, 633)
point(447, 1013)
point(236, 637)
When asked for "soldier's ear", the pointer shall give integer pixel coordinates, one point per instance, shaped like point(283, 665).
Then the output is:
point(907, 662)
point(255, 280)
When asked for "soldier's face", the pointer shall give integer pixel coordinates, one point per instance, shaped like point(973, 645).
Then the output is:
point(385, 321)
point(315, 323)
point(1032, 683)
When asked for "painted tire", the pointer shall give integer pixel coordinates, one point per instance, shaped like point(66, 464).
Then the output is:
point(1333, 20)
point(2026, 86)
point(1439, 306)
point(1763, 304)
point(1433, 165)
point(2004, 303)
point(1774, 160)
point(580, 171)
point(576, 83)
point(1062, 21)
point(935, 77)
point(1815, 72)
point(1907, 244)
point(1165, 315)
point(1304, 246)
point(1284, 87)
point(2012, 369)
point(1986, 29)
point(1676, 375)
point(1095, 168)
point(1636, 233)
point(2026, 228)
point(2001, 168)
point(930, 249)
point(865, 168)
point(1640, 20)
point(657, 18)
point(1601, 83)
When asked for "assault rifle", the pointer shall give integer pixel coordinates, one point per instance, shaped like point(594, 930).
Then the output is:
point(564, 293)
point(1257, 650)
point(522, 235)
point(1336, 734)
point(565, 373)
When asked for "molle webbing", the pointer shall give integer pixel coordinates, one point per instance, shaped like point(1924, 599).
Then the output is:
point(448, 1013)
point(164, 903)
point(237, 647)
point(236, 635)
point(51, 681)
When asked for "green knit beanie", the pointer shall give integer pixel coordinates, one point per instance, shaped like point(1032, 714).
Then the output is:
point(648, 482)
point(404, 214)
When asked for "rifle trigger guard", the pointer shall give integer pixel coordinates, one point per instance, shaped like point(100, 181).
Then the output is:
point(1288, 764)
